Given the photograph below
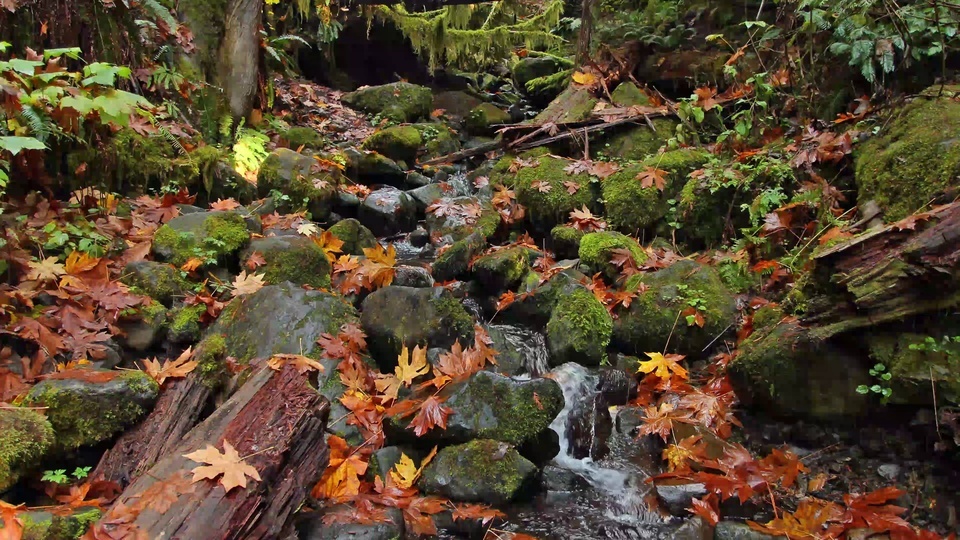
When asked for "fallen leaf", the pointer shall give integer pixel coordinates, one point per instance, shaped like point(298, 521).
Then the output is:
point(302, 363)
point(585, 79)
point(247, 284)
point(229, 464)
point(652, 176)
point(662, 365)
point(171, 369)
point(48, 269)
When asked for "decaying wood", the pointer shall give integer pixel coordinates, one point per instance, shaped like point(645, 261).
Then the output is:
point(276, 422)
point(888, 274)
point(179, 408)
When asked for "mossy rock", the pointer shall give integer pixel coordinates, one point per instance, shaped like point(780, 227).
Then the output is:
point(537, 308)
point(503, 269)
point(91, 409)
point(597, 250)
point(575, 104)
point(354, 235)
point(297, 259)
point(399, 143)
point(25, 438)
point(299, 177)
point(640, 142)
point(913, 369)
point(438, 140)
point(387, 211)
point(627, 94)
point(148, 161)
point(548, 209)
point(396, 316)
point(400, 101)
point(455, 104)
point(699, 214)
point(652, 317)
point(183, 326)
point(372, 167)
point(210, 355)
point(205, 235)
point(630, 207)
point(787, 369)
point(566, 241)
point(915, 160)
point(159, 281)
point(579, 330)
point(306, 137)
point(454, 262)
point(483, 117)
point(457, 225)
point(142, 333)
point(532, 67)
point(282, 318)
point(41, 525)
point(481, 471)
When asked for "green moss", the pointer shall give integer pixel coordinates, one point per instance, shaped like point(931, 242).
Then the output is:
point(572, 105)
point(550, 208)
point(438, 140)
point(630, 207)
point(25, 437)
point(640, 142)
point(222, 234)
point(627, 94)
point(455, 260)
point(306, 137)
point(160, 282)
point(396, 142)
point(184, 326)
point(298, 177)
point(699, 212)
point(579, 329)
point(453, 316)
point(566, 241)
point(483, 116)
point(39, 525)
point(151, 161)
point(917, 159)
point(400, 102)
point(482, 471)
point(355, 237)
point(210, 355)
point(503, 269)
point(302, 263)
point(597, 248)
point(767, 316)
point(913, 369)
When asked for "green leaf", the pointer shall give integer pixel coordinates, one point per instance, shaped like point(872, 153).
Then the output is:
point(863, 389)
point(69, 52)
point(26, 67)
point(15, 144)
point(82, 104)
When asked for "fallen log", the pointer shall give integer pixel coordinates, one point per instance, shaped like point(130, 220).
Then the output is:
point(276, 423)
point(888, 274)
point(179, 408)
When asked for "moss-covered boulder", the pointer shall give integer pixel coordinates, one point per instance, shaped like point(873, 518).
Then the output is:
point(396, 316)
point(503, 269)
point(916, 159)
point(465, 216)
point(456, 104)
point(533, 67)
point(438, 140)
point(916, 362)
point(354, 235)
point(598, 248)
point(544, 189)
point(25, 437)
point(369, 167)
point(297, 259)
point(146, 330)
point(400, 101)
point(399, 143)
point(183, 324)
point(209, 236)
point(483, 117)
point(454, 261)
point(301, 178)
point(652, 316)
point(303, 136)
point(159, 281)
point(537, 306)
point(282, 318)
point(566, 241)
point(572, 105)
point(629, 207)
point(482, 471)
point(640, 142)
point(41, 525)
point(579, 330)
point(388, 211)
point(787, 369)
point(627, 94)
point(94, 406)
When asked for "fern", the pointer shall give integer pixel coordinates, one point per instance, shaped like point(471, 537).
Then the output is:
point(163, 14)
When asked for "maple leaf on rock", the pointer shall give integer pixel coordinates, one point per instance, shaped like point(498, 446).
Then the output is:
point(46, 270)
point(255, 261)
point(662, 365)
point(405, 473)
point(302, 363)
point(247, 284)
point(659, 420)
point(224, 205)
point(408, 368)
point(541, 186)
point(330, 244)
point(171, 369)
point(584, 220)
point(578, 167)
point(653, 177)
point(341, 479)
point(307, 229)
point(229, 464)
point(603, 169)
point(433, 413)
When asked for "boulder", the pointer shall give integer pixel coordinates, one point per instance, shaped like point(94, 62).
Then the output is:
point(537, 308)
point(399, 143)
point(459, 224)
point(519, 350)
point(146, 331)
point(533, 67)
point(456, 104)
point(183, 324)
point(575, 104)
point(579, 330)
point(597, 249)
point(481, 471)
point(372, 168)
point(566, 241)
point(503, 269)
point(396, 316)
point(388, 211)
point(210, 236)
point(627, 94)
point(354, 235)
point(399, 101)
point(302, 179)
point(93, 406)
point(483, 117)
point(454, 261)
point(314, 528)
point(652, 317)
point(303, 136)
point(25, 438)
point(639, 142)
point(159, 281)
point(412, 276)
point(297, 259)
point(69, 525)
point(280, 318)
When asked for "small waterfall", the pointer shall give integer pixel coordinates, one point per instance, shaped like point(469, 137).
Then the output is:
point(528, 344)
point(460, 184)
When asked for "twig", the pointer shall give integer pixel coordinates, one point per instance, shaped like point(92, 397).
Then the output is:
point(936, 414)
point(667, 344)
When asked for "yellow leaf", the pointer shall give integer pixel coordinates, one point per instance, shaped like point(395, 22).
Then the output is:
point(405, 473)
point(409, 368)
point(79, 262)
point(302, 363)
point(247, 284)
point(46, 270)
point(171, 369)
point(192, 264)
point(330, 244)
point(586, 79)
point(661, 365)
point(377, 254)
point(388, 385)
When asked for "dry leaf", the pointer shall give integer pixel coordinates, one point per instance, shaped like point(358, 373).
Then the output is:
point(302, 363)
point(171, 369)
point(247, 284)
point(229, 464)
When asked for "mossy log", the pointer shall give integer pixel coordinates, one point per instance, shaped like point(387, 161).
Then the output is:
point(177, 411)
point(887, 274)
point(277, 422)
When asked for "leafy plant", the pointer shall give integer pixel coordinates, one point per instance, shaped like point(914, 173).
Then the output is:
point(59, 476)
point(878, 371)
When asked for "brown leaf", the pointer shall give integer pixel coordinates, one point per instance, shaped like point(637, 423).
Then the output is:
point(247, 284)
point(653, 177)
point(432, 414)
point(229, 464)
point(171, 369)
point(302, 363)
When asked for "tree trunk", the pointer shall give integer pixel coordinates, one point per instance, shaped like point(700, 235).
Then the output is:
point(276, 422)
point(586, 33)
point(240, 55)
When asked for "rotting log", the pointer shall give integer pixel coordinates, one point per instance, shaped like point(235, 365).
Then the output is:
point(179, 408)
point(276, 421)
point(887, 274)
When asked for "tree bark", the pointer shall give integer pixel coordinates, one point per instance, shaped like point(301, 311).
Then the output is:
point(276, 422)
point(586, 33)
point(240, 55)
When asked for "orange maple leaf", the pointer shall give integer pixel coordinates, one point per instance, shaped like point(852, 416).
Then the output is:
point(229, 464)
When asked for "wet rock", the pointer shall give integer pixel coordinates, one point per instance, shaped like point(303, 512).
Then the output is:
point(412, 276)
point(597, 250)
point(372, 168)
point(694, 528)
point(589, 427)
point(354, 235)
point(483, 117)
point(676, 499)
point(733, 530)
point(382, 460)
point(147, 330)
point(482, 471)
point(419, 238)
point(425, 195)
point(397, 316)
point(469, 215)
point(646, 325)
point(519, 350)
point(538, 308)
point(93, 408)
point(296, 259)
point(503, 269)
point(299, 177)
point(579, 330)
point(159, 281)
point(304, 136)
point(400, 101)
point(40, 525)
point(889, 471)
point(313, 527)
point(616, 387)
point(399, 143)
point(530, 68)
point(455, 104)
point(213, 234)
point(388, 211)
point(183, 324)
point(25, 438)
point(566, 241)
point(454, 262)
point(416, 180)
point(575, 104)
point(554, 478)
point(280, 319)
